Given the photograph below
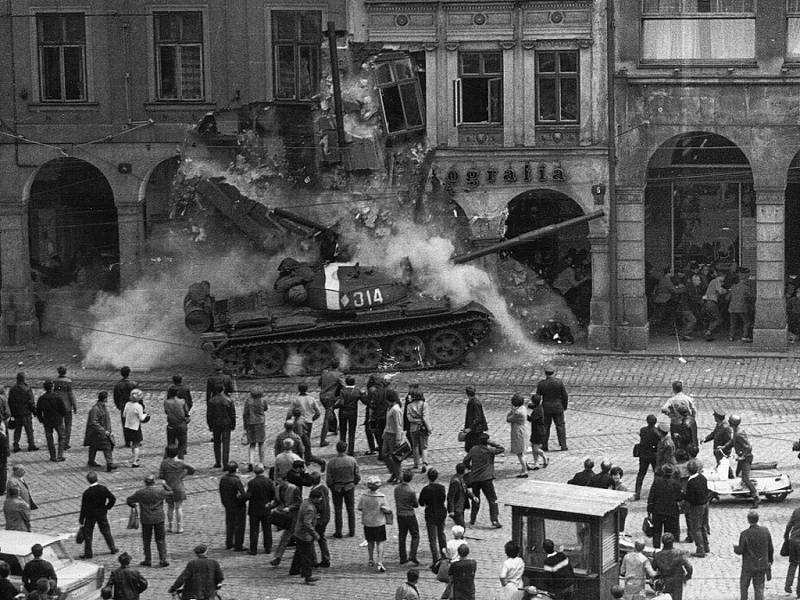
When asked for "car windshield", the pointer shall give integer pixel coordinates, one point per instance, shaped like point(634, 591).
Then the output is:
point(55, 554)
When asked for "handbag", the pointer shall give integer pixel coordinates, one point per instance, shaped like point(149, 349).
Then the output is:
point(785, 548)
point(81, 536)
point(462, 435)
point(443, 574)
point(402, 452)
point(11, 423)
point(647, 526)
point(637, 450)
point(389, 516)
point(133, 519)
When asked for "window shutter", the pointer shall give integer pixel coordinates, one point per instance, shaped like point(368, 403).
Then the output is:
point(457, 102)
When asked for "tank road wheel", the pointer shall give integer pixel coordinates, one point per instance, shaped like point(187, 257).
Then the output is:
point(447, 346)
point(268, 360)
point(233, 360)
point(365, 355)
point(408, 351)
point(316, 356)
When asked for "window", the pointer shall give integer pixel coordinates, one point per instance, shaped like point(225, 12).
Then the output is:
point(62, 56)
point(557, 86)
point(793, 30)
point(400, 94)
point(179, 55)
point(698, 30)
point(296, 38)
point(478, 92)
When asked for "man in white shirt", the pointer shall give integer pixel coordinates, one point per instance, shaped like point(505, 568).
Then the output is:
point(392, 439)
point(285, 460)
point(672, 406)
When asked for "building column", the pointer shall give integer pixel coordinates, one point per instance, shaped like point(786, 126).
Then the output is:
point(130, 227)
point(18, 323)
point(633, 329)
point(769, 331)
point(599, 312)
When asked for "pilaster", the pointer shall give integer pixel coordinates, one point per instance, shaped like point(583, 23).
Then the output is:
point(769, 331)
point(18, 323)
point(130, 221)
point(632, 326)
point(599, 317)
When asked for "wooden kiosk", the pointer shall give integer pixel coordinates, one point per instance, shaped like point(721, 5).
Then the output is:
point(581, 521)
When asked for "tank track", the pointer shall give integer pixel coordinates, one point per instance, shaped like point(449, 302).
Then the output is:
point(350, 332)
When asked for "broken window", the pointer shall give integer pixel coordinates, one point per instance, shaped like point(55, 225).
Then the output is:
point(557, 86)
point(296, 39)
point(62, 56)
point(179, 55)
point(478, 92)
point(400, 94)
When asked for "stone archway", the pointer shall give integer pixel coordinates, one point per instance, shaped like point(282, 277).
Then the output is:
point(699, 209)
point(156, 195)
point(548, 279)
point(72, 226)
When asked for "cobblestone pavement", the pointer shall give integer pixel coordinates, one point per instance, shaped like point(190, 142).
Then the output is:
point(610, 395)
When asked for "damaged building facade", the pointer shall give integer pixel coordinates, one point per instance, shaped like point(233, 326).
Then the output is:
point(514, 110)
point(95, 102)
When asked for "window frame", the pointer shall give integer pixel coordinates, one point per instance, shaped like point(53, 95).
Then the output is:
point(557, 76)
point(152, 56)
point(297, 44)
point(178, 46)
point(398, 83)
point(676, 14)
point(492, 79)
point(791, 13)
point(39, 78)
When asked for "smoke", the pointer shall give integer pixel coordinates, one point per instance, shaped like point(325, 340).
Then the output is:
point(437, 275)
point(143, 327)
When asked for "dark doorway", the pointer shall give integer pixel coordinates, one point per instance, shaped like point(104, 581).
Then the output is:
point(792, 219)
point(72, 224)
point(158, 196)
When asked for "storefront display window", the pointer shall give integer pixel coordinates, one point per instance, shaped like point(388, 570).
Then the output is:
point(702, 221)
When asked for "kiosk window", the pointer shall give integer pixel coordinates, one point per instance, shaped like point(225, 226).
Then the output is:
point(571, 537)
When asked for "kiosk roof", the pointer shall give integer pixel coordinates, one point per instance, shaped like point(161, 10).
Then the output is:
point(565, 498)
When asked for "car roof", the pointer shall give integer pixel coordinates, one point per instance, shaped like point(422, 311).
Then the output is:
point(19, 542)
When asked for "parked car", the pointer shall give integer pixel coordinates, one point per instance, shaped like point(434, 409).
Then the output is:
point(77, 579)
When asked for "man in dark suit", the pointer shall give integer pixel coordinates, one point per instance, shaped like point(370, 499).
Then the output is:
point(648, 449)
point(673, 567)
point(696, 497)
point(323, 518)
point(462, 575)
point(755, 548)
point(97, 500)
point(62, 386)
point(474, 421)
point(554, 403)
point(201, 578)
point(122, 391)
point(234, 499)
point(22, 406)
point(585, 476)
point(50, 411)
point(662, 504)
point(260, 501)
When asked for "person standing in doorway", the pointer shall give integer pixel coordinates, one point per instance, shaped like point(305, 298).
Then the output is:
point(712, 314)
point(554, 403)
point(96, 501)
point(755, 548)
point(62, 385)
point(648, 450)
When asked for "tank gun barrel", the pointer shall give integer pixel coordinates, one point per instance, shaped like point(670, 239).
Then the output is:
point(527, 237)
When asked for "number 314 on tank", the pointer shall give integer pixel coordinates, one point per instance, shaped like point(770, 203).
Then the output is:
point(362, 298)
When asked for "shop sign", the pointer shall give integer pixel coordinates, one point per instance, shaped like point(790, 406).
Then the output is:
point(474, 177)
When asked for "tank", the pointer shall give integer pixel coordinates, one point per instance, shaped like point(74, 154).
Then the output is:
point(382, 321)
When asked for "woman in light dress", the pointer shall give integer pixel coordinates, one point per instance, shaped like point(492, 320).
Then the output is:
point(519, 439)
point(133, 416)
point(511, 574)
